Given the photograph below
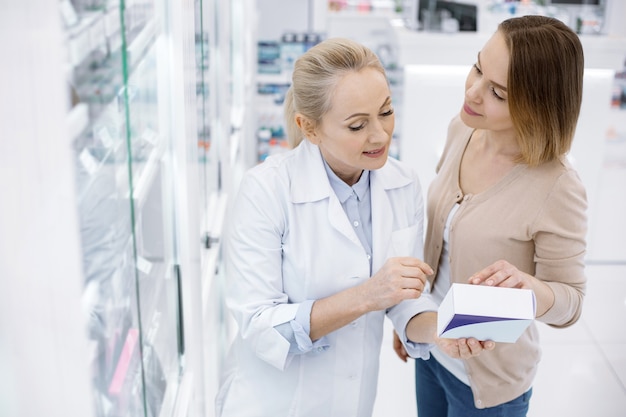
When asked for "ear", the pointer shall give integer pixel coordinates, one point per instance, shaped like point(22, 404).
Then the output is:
point(307, 126)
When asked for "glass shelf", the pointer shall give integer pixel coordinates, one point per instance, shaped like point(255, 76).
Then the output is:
point(118, 68)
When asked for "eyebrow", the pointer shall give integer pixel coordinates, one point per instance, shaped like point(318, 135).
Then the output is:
point(500, 86)
point(387, 101)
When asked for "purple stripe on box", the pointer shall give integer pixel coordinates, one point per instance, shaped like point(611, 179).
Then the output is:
point(464, 319)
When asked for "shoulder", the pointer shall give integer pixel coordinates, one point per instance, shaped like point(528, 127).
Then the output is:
point(274, 166)
point(557, 173)
point(557, 184)
point(268, 177)
point(263, 195)
point(569, 181)
point(297, 174)
point(560, 199)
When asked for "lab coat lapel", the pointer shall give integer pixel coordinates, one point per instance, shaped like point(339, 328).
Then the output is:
point(382, 222)
point(384, 208)
point(310, 183)
point(338, 219)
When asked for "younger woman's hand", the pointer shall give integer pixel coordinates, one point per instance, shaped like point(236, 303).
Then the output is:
point(398, 347)
point(502, 274)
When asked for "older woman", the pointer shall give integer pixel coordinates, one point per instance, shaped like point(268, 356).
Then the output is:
point(325, 240)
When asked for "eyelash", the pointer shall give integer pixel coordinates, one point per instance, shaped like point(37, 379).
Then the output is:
point(361, 126)
point(493, 90)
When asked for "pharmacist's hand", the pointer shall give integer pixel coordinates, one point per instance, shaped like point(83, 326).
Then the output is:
point(399, 279)
point(464, 348)
point(502, 274)
point(398, 347)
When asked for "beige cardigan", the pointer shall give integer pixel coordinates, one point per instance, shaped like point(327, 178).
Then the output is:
point(535, 218)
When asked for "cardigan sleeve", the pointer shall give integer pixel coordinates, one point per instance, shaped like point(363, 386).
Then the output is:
point(560, 244)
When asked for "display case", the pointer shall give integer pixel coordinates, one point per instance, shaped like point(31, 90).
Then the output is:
point(125, 137)
point(145, 176)
point(223, 34)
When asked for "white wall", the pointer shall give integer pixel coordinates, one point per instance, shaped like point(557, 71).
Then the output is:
point(275, 17)
point(616, 18)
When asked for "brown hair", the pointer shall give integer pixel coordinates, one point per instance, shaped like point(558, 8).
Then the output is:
point(315, 76)
point(545, 83)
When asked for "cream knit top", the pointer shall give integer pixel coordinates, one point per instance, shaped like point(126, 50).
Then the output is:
point(534, 218)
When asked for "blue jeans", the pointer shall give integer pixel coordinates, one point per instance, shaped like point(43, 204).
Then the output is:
point(441, 394)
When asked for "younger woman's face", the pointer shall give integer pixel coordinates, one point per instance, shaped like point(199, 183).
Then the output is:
point(486, 99)
point(355, 133)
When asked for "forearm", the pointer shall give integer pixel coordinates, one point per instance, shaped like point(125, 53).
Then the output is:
point(544, 296)
point(333, 312)
point(422, 328)
point(399, 279)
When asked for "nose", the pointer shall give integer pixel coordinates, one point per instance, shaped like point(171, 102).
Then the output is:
point(381, 129)
point(472, 91)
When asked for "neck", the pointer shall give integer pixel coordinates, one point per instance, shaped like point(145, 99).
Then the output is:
point(503, 144)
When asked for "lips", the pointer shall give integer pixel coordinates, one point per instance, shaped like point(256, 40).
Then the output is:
point(375, 152)
point(469, 111)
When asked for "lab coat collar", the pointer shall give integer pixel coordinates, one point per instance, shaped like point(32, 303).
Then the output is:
point(310, 182)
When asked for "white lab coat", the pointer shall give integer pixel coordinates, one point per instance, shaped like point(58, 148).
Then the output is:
point(290, 241)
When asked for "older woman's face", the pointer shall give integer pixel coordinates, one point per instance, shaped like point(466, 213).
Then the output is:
point(486, 97)
point(355, 133)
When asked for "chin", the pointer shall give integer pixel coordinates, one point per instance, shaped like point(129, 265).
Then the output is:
point(468, 120)
point(379, 162)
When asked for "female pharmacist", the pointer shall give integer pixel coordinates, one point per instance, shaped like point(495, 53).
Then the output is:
point(325, 240)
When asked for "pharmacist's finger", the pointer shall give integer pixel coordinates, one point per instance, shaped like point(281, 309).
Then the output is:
point(416, 263)
point(476, 347)
point(489, 345)
point(414, 283)
point(464, 349)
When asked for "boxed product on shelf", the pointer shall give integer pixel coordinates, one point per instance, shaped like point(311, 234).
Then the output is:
point(268, 57)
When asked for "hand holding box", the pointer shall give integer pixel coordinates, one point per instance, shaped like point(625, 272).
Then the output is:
point(485, 313)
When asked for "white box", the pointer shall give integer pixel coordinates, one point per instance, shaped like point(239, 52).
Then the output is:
point(486, 313)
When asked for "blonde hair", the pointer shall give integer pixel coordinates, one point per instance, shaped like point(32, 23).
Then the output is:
point(545, 83)
point(315, 76)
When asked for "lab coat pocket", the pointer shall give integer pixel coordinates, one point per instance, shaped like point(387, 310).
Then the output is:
point(407, 242)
